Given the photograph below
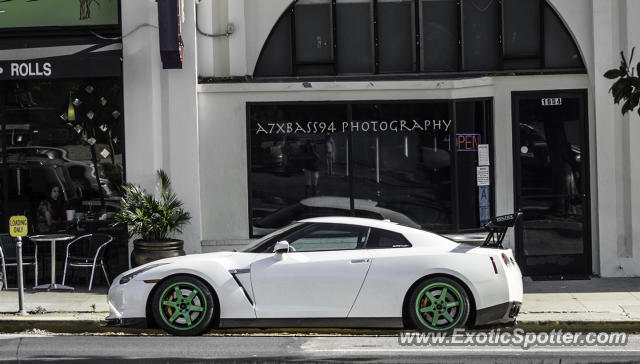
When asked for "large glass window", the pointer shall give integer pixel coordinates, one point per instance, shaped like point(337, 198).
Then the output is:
point(402, 161)
point(439, 35)
point(62, 152)
point(521, 33)
point(276, 59)
point(405, 168)
point(314, 37)
point(297, 154)
point(481, 34)
point(396, 34)
point(355, 37)
point(471, 130)
point(355, 41)
point(559, 49)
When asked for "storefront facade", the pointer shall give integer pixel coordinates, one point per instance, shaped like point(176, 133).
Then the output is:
point(61, 108)
point(435, 114)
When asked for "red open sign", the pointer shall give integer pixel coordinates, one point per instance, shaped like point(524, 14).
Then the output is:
point(467, 142)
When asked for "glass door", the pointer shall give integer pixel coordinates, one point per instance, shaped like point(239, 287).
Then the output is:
point(552, 182)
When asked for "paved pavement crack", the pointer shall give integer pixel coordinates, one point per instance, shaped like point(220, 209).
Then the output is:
point(624, 311)
point(18, 349)
point(580, 302)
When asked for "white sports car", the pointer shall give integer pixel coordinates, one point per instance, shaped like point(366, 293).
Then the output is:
point(327, 272)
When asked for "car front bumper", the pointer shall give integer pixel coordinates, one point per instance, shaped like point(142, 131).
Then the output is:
point(128, 303)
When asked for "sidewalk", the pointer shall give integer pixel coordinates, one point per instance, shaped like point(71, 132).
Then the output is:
point(596, 304)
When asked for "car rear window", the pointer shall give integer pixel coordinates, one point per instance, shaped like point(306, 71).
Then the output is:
point(385, 239)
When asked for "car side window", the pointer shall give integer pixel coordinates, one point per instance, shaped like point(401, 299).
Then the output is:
point(324, 237)
point(385, 239)
point(266, 244)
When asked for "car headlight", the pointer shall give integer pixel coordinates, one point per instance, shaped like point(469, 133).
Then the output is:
point(126, 278)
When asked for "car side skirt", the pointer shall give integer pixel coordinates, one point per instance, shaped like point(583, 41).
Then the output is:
point(381, 323)
point(133, 322)
point(364, 322)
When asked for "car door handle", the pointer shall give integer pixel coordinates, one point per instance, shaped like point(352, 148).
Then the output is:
point(354, 261)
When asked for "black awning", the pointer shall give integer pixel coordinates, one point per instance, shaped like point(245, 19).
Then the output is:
point(40, 58)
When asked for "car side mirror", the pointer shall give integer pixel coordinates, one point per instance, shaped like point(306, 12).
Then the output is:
point(281, 247)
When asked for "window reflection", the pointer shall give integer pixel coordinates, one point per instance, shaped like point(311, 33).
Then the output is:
point(399, 158)
point(64, 136)
point(351, 37)
point(406, 168)
point(551, 188)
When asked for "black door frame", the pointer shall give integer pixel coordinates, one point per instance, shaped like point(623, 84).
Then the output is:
point(586, 266)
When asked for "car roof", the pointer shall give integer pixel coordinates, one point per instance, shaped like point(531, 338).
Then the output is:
point(417, 237)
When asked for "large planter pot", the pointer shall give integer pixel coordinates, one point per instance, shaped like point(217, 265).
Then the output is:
point(145, 251)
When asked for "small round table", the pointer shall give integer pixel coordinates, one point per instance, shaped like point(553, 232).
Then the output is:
point(52, 238)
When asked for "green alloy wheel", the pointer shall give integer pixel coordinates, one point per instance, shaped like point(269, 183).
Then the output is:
point(439, 304)
point(183, 305)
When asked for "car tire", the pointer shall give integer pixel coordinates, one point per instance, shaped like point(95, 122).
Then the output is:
point(439, 304)
point(183, 305)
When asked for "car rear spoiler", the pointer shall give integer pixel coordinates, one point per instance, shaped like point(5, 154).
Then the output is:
point(497, 228)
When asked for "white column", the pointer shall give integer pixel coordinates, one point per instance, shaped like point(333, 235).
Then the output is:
point(238, 41)
point(180, 120)
point(612, 174)
point(632, 264)
point(141, 90)
point(213, 52)
point(161, 120)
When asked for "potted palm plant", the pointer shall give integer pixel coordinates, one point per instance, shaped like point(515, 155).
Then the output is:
point(152, 221)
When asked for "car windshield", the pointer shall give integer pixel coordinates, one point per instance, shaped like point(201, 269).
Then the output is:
point(258, 242)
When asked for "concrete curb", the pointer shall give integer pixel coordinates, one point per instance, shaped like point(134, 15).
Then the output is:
point(629, 326)
point(98, 326)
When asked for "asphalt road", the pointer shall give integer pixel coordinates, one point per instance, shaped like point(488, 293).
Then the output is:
point(325, 349)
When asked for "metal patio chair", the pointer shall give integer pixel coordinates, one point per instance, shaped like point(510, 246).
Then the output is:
point(8, 256)
point(87, 251)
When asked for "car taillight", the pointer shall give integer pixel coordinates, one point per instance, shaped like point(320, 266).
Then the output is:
point(495, 269)
point(505, 259)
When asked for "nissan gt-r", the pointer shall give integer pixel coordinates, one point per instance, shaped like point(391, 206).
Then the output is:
point(325, 272)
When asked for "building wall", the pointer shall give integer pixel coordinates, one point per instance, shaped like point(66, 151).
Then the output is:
point(210, 129)
point(161, 110)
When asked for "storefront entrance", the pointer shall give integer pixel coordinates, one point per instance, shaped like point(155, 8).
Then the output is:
point(552, 183)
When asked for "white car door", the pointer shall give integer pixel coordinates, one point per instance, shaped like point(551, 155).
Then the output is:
point(320, 277)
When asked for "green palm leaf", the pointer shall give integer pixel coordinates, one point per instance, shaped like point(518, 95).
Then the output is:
point(151, 218)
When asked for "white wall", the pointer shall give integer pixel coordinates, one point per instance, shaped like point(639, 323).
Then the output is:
point(161, 120)
point(252, 21)
point(213, 52)
point(632, 265)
